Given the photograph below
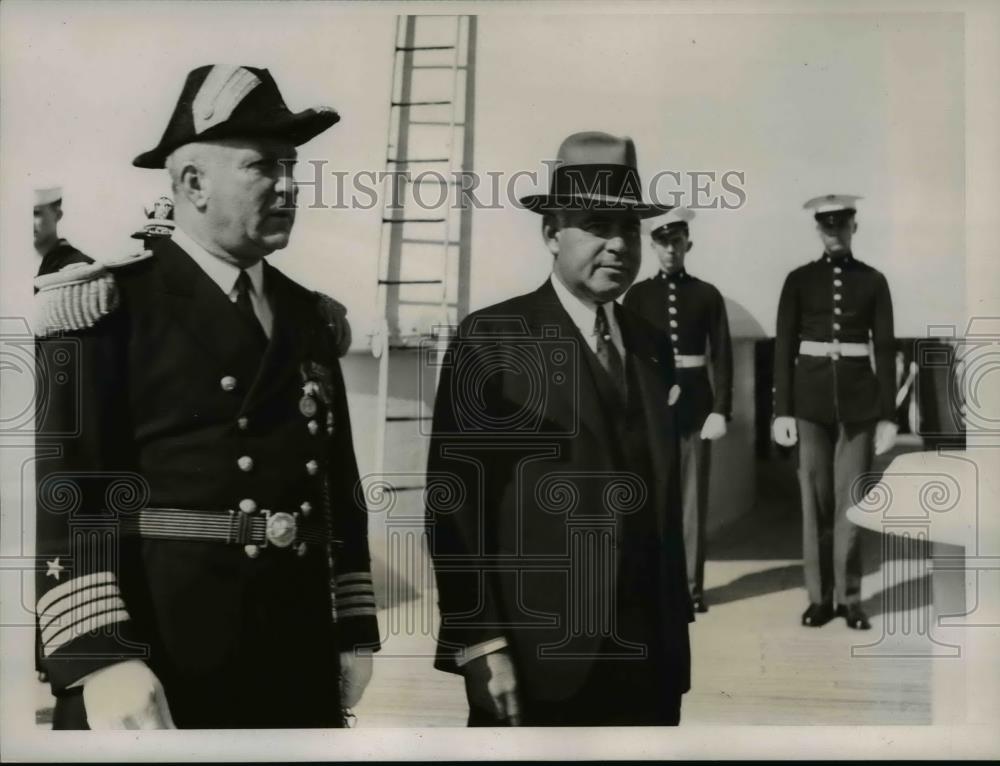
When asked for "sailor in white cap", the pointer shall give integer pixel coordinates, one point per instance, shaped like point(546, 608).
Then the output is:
point(54, 251)
point(832, 313)
point(693, 314)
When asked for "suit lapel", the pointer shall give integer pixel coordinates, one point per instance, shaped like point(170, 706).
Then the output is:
point(586, 407)
point(294, 327)
point(648, 372)
point(196, 303)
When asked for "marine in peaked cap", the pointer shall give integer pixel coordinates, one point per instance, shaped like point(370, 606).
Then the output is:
point(834, 318)
point(572, 412)
point(692, 313)
point(203, 553)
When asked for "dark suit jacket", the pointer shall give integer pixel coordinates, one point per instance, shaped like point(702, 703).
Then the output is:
point(702, 327)
point(522, 493)
point(136, 412)
point(821, 389)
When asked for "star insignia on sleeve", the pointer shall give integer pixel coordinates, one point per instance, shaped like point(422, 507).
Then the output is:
point(55, 568)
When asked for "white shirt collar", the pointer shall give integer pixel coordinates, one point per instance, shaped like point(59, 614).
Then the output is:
point(223, 273)
point(584, 314)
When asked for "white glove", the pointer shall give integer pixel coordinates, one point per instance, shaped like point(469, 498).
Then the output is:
point(885, 436)
point(714, 428)
point(786, 433)
point(491, 684)
point(355, 672)
point(126, 695)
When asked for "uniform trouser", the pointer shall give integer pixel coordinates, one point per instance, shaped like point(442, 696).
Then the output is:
point(696, 458)
point(832, 458)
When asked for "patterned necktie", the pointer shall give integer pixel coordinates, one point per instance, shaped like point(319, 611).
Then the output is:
point(607, 352)
point(245, 305)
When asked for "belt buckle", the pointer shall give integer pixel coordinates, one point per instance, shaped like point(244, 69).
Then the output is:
point(280, 529)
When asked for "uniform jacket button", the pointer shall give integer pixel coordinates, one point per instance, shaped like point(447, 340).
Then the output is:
point(245, 463)
point(674, 338)
point(251, 550)
point(836, 325)
point(228, 383)
point(301, 549)
point(313, 427)
point(837, 283)
point(836, 296)
point(247, 505)
point(312, 467)
point(673, 322)
point(306, 508)
point(243, 423)
point(836, 310)
point(673, 297)
point(672, 310)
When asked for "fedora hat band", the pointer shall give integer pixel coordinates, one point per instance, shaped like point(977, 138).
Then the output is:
point(599, 182)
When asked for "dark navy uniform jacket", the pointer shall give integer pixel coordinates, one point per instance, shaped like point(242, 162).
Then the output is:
point(61, 255)
point(696, 314)
point(828, 300)
point(165, 402)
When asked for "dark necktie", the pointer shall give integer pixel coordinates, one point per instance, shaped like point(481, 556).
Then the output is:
point(607, 352)
point(245, 305)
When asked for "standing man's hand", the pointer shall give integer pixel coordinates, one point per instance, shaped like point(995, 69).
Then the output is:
point(355, 672)
point(714, 428)
point(786, 433)
point(885, 436)
point(491, 685)
point(126, 695)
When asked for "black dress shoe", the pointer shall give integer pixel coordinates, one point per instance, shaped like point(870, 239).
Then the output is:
point(817, 615)
point(855, 616)
point(699, 605)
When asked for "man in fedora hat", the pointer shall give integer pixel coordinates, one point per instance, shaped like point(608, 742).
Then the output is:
point(196, 472)
point(693, 314)
point(553, 507)
point(834, 319)
point(56, 253)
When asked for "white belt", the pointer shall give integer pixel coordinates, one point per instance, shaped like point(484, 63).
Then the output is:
point(689, 360)
point(819, 348)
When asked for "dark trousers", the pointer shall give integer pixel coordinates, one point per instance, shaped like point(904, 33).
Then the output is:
point(831, 460)
point(696, 459)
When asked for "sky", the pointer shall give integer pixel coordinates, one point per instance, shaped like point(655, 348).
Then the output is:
point(800, 104)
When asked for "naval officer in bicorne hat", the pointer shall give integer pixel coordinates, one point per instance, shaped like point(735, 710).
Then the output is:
point(54, 251)
point(197, 480)
point(834, 317)
point(693, 314)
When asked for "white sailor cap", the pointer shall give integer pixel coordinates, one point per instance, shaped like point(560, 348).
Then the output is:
point(831, 206)
point(48, 195)
point(678, 218)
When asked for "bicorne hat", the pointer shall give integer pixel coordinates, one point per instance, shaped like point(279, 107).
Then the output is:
point(221, 101)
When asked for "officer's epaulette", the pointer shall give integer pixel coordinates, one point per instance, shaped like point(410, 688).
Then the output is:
point(79, 295)
point(334, 314)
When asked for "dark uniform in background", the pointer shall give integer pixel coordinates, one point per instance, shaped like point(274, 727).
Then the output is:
point(198, 491)
point(832, 313)
point(693, 313)
point(59, 253)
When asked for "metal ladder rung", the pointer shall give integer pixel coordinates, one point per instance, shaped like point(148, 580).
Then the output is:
point(411, 282)
point(452, 243)
point(425, 47)
point(437, 122)
point(425, 303)
point(413, 220)
point(407, 418)
point(439, 66)
point(419, 103)
point(431, 180)
point(419, 160)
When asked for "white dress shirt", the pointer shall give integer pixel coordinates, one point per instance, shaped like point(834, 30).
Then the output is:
point(225, 274)
point(584, 316)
